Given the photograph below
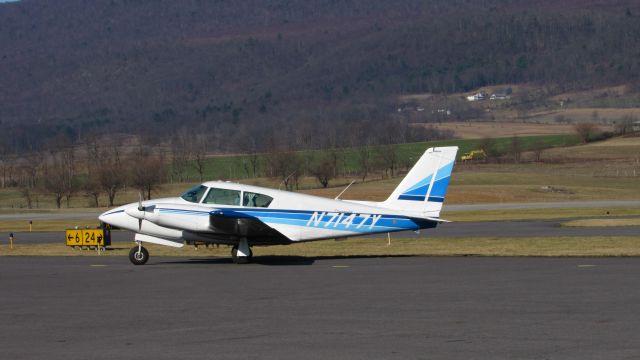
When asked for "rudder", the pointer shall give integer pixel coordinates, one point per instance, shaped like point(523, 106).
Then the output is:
point(424, 188)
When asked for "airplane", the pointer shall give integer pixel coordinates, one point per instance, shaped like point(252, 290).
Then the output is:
point(222, 212)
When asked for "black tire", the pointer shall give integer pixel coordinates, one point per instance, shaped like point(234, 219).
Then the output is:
point(138, 258)
point(240, 259)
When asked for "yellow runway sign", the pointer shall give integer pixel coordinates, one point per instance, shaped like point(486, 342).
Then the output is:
point(85, 237)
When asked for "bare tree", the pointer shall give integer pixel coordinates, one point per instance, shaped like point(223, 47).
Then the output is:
point(56, 181)
point(68, 161)
point(389, 156)
point(537, 149)
point(364, 161)
point(515, 149)
point(335, 155)
point(111, 173)
point(30, 167)
point(624, 126)
point(287, 166)
point(585, 131)
point(91, 186)
point(324, 170)
point(179, 155)
point(5, 165)
point(488, 145)
point(251, 149)
point(147, 172)
point(28, 194)
point(197, 154)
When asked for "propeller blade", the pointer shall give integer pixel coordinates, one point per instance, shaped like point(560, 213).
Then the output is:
point(140, 207)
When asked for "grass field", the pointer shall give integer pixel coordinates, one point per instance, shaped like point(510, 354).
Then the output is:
point(534, 246)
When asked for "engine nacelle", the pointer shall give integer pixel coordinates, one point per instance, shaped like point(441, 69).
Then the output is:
point(191, 218)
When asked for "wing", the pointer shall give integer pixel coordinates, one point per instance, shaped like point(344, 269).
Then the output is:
point(233, 226)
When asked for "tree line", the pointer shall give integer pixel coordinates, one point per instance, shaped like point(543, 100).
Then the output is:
point(92, 170)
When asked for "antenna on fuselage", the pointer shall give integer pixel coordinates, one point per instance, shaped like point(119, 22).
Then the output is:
point(345, 189)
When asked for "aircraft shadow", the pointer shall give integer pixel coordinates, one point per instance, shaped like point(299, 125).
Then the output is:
point(274, 260)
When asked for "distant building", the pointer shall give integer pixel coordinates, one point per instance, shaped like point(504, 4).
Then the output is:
point(477, 97)
point(502, 94)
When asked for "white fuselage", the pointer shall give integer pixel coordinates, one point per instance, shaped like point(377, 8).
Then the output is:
point(297, 217)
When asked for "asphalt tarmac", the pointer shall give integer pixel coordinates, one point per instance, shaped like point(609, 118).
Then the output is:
point(527, 228)
point(331, 308)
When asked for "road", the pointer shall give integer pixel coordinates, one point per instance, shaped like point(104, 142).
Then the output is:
point(332, 308)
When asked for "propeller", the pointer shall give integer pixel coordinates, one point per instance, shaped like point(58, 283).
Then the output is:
point(141, 213)
point(140, 208)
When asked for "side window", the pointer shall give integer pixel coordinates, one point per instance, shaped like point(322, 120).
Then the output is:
point(194, 194)
point(223, 197)
point(256, 200)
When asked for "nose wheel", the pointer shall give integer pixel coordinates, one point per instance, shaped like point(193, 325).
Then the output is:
point(138, 255)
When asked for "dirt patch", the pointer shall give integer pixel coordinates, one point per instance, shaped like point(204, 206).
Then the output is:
point(479, 130)
point(602, 116)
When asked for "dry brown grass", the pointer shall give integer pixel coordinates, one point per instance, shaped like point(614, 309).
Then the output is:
point(47, 225)
point(602, 222)
point(478, 130)
point(583, 115)
point(625, 150)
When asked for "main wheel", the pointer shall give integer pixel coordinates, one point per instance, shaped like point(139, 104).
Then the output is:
point(138, 255)
point(240, 259)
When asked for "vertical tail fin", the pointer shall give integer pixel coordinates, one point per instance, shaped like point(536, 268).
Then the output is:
point(425, 186)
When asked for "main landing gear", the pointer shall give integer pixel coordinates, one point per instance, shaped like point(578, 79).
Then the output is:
point(138, 255)
point(241, 253)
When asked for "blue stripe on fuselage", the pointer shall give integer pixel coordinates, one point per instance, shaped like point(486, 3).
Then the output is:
point(344, 221)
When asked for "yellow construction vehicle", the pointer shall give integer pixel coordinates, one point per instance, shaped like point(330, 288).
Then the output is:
point(474, 155)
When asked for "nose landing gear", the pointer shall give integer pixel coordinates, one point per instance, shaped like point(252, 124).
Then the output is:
point(138, 255)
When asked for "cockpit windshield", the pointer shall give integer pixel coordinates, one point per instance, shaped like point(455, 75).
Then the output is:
point(194, 194)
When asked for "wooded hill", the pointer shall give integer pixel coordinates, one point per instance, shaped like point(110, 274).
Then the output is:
point(296, 74)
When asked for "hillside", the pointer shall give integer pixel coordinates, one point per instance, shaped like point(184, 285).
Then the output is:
point(256, 74)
